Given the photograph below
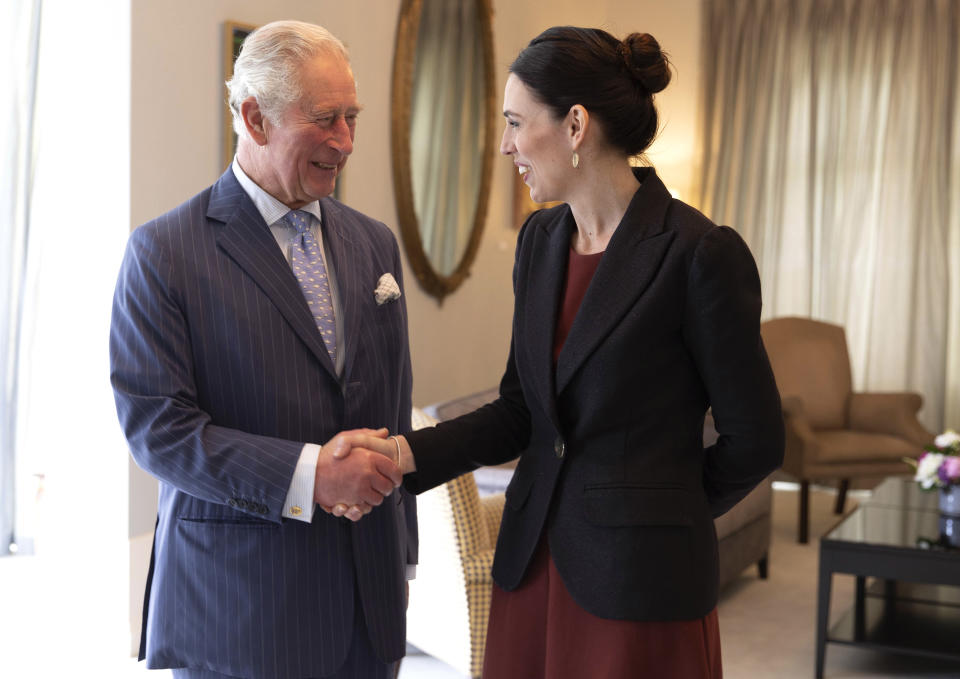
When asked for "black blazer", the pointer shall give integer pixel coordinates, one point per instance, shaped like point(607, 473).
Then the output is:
point(612, 461)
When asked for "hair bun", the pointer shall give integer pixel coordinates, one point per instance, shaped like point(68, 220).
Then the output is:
point(645, 61)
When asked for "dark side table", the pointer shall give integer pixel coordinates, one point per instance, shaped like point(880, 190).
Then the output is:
point(912, 602)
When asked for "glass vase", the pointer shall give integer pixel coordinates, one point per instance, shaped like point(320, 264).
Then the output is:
point(950, 501)
point(950, 516)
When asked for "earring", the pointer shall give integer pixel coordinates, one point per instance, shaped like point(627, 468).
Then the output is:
point(576, 159)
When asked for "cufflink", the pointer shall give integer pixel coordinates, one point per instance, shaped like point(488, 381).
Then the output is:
point(296, 510)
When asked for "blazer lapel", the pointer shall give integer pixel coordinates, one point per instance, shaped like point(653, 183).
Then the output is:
point(551, 242)
point(626, 269)
point(248, 241)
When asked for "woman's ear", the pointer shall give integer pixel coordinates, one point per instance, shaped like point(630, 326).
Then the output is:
point(254, 120)
point(578, 120)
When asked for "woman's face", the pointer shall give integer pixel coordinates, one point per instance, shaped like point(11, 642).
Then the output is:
point(539, 143)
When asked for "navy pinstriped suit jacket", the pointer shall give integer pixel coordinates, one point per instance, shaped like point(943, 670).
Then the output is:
point(220, 377)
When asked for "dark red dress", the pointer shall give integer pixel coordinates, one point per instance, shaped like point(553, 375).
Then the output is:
point(538, 631)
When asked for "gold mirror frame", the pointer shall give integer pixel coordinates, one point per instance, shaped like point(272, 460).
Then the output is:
point(408, 26)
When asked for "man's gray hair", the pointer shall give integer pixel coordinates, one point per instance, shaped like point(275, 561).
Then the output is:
point(268, 67)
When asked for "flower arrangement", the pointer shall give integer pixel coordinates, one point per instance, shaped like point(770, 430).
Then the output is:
point(939, 466)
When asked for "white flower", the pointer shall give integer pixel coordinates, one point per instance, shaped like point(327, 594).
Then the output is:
point(947, 439)
point(387, 289)
point(927, 469)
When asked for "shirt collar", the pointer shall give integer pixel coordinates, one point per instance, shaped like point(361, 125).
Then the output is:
point(271, 209)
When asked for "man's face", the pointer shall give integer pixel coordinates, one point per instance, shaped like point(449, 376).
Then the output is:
point(308, 149)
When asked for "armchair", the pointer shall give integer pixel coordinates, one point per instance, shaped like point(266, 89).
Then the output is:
point(833, 432)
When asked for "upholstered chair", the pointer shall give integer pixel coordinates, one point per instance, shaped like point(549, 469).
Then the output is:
point(832, 432)
point(450, 597)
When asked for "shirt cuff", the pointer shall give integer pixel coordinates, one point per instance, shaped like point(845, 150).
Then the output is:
point(299, 504)
point(411, 571)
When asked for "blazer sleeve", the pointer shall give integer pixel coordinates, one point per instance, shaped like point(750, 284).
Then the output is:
point(493, 434)
point(169, 435)
point(722, 332)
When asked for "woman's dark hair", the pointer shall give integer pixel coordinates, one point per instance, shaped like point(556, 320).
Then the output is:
point(614, 80)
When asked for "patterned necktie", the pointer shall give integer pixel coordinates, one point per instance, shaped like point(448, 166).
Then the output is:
point(310, 272)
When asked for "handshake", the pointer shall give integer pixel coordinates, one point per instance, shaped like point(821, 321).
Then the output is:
point(357, 469)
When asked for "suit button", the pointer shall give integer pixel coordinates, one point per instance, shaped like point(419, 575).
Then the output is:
point(559, 447)
point(231, 502)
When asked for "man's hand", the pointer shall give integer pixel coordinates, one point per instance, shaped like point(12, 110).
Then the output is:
point(353, 470)
point(394, 447)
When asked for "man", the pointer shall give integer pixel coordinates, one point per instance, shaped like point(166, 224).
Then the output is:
point(246, 332)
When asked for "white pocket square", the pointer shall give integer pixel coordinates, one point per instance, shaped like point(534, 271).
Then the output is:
point(387, 289)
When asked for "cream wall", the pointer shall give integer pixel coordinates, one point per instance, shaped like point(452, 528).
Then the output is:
point(176, 93)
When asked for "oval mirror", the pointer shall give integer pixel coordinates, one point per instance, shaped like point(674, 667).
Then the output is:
point(443, 120)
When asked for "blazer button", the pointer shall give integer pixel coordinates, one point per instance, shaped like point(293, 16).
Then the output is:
point(559, 447)
point(231, 502)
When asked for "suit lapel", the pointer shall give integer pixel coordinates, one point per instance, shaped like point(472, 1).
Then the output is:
point(247, 240)
point(338, 239)
point(626, 269)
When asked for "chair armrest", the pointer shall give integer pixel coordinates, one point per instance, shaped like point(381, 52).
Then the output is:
point(491, 511)
point(801, 445)
point(795, 420)
point(892, 413)
point(478, 567)
point(791, 406)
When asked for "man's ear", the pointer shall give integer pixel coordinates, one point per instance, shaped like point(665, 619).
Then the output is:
point(254, 120)
point(578, 121)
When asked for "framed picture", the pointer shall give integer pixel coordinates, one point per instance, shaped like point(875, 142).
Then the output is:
point(523, 204)
point(234, 34)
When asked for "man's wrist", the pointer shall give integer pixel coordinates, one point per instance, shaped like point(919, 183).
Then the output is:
point(299, 503)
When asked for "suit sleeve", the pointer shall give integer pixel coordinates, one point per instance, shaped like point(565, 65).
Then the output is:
point(722, 332)
point(169, 435)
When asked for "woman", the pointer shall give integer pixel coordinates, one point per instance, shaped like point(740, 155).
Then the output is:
point(633, 315)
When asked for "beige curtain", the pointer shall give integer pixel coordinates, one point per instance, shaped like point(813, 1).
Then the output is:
point(831, 140)
point(446, 128)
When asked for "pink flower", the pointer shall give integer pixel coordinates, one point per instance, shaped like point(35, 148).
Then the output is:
point(951, 468)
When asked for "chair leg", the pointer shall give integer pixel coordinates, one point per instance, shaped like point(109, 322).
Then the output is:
point(841, 495)
point(762, 566)
point(804, 518)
